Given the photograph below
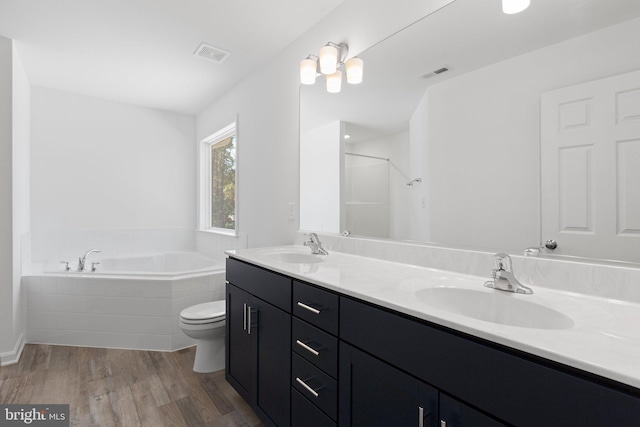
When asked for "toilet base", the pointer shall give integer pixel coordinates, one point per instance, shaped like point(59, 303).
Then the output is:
point(209, 356)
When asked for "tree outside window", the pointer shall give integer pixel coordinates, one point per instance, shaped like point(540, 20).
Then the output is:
point(223, 184)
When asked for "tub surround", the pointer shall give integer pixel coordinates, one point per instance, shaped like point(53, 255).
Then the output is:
point(88, 309)
point(605, 339)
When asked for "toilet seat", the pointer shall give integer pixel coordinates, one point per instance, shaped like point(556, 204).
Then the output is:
point(206, 313)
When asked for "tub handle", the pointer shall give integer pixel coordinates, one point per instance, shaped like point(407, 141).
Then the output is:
point(94, 266)
point(66, 265)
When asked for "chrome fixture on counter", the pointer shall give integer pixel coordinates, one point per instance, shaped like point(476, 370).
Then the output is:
point(315, 244)
point(503, 278)
point(82, 260)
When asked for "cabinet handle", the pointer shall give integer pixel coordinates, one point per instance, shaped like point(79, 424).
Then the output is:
point(420, 416)
point(307, 307)
point(303, 384)
point(443, 423)
point(248, 320)
point(306, 347)
point(244, 317)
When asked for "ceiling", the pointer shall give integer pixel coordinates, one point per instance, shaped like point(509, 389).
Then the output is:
point(141, 51)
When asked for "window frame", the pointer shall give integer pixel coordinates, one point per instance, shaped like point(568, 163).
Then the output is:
point(205, 179)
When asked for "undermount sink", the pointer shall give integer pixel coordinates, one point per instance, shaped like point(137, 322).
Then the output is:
point(294, 257)
point(495, 306)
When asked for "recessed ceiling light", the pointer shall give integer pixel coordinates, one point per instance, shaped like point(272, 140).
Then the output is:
point(347, 136)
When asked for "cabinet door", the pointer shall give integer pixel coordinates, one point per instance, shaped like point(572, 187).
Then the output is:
point(373, 393)
point(241, 343)
point(456, 414)
point(274, 362)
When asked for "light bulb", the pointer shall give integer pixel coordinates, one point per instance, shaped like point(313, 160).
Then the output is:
point(514, 6)
point(328, 59)
point(334, 82)
point(355, 68)
point(308, 69)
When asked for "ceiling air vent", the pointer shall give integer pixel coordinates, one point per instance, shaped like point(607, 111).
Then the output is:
point(211, 53)
point(436, 72)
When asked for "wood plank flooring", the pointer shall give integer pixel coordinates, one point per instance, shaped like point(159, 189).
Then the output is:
point(126, 388)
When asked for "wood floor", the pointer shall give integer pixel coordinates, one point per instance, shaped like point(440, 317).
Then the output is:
point(106, 387)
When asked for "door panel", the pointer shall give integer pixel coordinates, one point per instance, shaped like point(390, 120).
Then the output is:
point(373, 393)
point(590, 145)
point(241, 346)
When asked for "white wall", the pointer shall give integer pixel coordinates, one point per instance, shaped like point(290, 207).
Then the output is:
point(267, 104)
point(321, 150)
point(484, 131)
point(98, 164)
point(6, 223)
point(14, 200)
point(21, 106)
point(419, 217)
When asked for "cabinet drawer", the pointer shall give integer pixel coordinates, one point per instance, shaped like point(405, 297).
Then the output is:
point(306, 414)
point(266, 285)
point(318, 387)
point(318, 347)
point(316, 306)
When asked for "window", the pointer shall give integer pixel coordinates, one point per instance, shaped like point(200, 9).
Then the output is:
point(218, 182)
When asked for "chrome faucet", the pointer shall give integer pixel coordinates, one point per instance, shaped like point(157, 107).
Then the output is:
point(82, 260)
point(503, 278)
point(315, 245)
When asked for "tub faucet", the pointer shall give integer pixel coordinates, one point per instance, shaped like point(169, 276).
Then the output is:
point(315, 245)
point(82, 260)
point(503, 278)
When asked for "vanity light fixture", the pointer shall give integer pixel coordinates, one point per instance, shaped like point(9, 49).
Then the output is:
point(514, 6)
point(328, 62)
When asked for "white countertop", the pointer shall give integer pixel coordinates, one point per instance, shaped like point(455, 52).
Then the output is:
point(604, 340)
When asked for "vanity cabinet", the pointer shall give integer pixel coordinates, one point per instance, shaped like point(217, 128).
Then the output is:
point(258, 350)
point(303, 355)
point(508, 386)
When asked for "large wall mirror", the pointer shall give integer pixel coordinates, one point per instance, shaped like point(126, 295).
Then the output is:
point(473, 128)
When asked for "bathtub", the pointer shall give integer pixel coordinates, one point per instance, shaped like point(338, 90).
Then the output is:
point(128, 302)
point(168, 264)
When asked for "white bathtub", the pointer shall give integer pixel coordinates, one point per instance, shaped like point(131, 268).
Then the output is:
point(167, 264)
point(128, 302)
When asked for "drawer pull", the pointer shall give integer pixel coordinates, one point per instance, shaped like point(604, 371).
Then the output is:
point(306, 347)
point(303, 384)
point(420, 416)
point(244, 317)
point(307, 307)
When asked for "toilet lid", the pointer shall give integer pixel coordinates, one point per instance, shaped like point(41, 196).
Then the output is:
point(207, 311)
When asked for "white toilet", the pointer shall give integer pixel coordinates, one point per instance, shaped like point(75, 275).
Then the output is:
point(206, 323)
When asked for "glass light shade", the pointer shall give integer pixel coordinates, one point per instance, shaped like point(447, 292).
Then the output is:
point(355, 68)
point(308, 71)
point(514, 6)
point(334, 82)
point(328, 59)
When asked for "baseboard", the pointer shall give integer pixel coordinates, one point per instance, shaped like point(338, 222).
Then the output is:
point(11, 357)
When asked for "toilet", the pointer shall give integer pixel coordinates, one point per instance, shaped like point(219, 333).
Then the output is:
point(206, 323)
